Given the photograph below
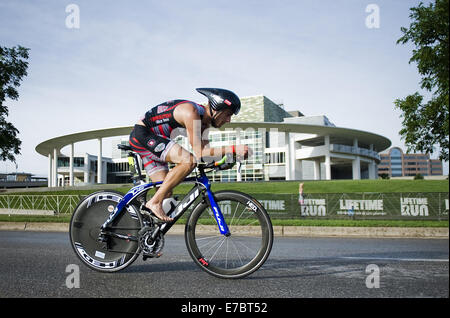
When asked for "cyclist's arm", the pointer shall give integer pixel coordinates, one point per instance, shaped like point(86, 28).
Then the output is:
point(199, 143)
point(214, 152)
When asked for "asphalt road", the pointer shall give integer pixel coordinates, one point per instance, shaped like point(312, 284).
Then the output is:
point(37, 264)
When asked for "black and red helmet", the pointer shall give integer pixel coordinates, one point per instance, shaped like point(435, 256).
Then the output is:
point(221, 99)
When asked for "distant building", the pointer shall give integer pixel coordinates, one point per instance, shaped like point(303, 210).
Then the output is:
point(84, 169)
point(21, 180)
point(395, 163)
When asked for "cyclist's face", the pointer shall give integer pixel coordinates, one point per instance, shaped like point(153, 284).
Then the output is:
point(223, 117)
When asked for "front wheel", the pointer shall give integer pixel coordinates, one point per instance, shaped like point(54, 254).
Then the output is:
point(236, 255)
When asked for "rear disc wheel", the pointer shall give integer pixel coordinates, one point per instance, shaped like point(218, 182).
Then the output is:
point(85, 226)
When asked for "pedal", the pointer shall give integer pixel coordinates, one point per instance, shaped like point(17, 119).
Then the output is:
point(157, 255)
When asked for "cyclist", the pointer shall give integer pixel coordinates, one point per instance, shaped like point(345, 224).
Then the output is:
point(152, 139)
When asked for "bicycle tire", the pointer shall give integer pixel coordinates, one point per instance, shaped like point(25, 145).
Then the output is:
point(251, 234)
point(85, 224)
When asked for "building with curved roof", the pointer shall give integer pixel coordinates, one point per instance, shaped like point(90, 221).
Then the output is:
point(286, 146)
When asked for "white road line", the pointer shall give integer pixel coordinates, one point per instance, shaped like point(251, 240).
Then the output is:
point(397, 259)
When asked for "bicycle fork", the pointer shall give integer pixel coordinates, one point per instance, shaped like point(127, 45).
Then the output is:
point(190, 198)
point(223, 227)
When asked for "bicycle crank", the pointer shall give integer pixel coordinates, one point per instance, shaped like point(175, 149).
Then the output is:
point(150, 244)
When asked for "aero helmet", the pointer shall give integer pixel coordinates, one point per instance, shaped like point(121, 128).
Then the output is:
point(221, 99)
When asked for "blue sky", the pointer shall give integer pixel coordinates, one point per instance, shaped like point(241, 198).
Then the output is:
point(318, 57)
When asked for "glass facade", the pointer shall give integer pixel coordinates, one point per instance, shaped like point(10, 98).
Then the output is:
point(396, 163)
point(251, 169)
point(65, 162)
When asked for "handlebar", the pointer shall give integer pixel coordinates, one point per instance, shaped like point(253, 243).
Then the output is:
point(227, 162)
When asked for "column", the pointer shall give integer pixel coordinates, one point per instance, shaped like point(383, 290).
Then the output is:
point(55, 168)
point(316, 169)
point(99, 161)
point(287, 156)
point(372, 166)
point(295, 165)
point(238, 142)
point(327, 159)
point(87, 169)
point(71, 165)
point(372, 170)
point(50, 167)
point(356, 163)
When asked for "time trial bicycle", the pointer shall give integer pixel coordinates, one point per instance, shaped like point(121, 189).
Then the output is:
point(228, 234)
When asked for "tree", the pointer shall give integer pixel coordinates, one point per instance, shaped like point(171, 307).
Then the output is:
point(425, 125)
point(13, 68)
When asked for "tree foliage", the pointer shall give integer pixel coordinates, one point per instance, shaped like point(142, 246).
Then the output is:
point(13, 67)
point(426, 124)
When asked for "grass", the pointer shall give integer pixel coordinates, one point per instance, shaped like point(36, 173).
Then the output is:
point(65, 218)
point(331, 186)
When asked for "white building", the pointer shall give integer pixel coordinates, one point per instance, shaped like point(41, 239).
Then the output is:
point(284, 148)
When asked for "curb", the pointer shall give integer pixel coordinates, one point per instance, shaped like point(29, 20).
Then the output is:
point(279, 231)
point(367, 232)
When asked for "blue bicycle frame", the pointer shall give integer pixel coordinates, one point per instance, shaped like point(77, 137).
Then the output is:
point(202, 184)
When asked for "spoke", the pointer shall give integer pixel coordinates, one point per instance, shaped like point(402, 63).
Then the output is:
point(213, 240)
point(214, 255)
point(252, 250)
point(237, 221)
point(207, 237)
point(237, 252)
point(234, 213)
point(226, 256)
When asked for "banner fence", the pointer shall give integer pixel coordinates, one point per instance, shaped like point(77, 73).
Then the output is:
point(432, 206)
point(427, 206)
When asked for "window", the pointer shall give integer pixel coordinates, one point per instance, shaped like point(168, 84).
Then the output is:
point(275, 157)
point(396, 163)
point(78, 162)
point(65, 162)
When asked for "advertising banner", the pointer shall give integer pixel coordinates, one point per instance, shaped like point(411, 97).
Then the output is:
point(358, 205)
point(426, 206)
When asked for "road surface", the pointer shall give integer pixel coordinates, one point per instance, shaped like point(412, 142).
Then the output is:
point(38, 264)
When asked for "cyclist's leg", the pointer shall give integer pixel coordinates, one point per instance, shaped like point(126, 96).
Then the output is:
point(185, 163)
point(152, 150)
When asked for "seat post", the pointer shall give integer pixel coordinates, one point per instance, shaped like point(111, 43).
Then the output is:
point(135, 167)
point(137, 164)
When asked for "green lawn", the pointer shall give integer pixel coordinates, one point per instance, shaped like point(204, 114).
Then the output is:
point(65, 218)
point(332, 186)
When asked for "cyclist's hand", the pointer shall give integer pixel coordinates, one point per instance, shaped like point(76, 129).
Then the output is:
point(243, 152)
